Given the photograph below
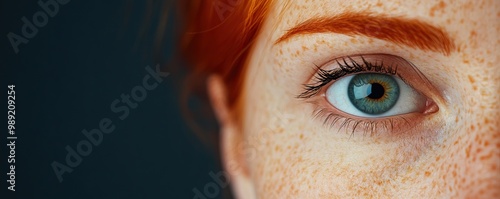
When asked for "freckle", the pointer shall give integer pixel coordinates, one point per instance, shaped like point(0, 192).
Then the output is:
point(493, 167)
point(427, 173)
point(305, 48)
point(277, 148)
point(292, 188)
point(466, 61)
point(467, 151)
point(354, 41)
point(438, 7)
point(473, 33)
point(279, 130)
point(280, 187)
point(486, 157)
point(301, 136)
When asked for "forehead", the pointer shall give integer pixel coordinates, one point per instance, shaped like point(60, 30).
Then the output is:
point(447, 14)
point(415, 8)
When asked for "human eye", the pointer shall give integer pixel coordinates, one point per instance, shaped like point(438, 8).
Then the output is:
point(370, 93)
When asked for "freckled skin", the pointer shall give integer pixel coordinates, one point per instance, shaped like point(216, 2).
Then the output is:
point(296, 156)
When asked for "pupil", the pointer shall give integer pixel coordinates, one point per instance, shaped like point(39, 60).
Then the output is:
point(377, 91)
point(373, 93)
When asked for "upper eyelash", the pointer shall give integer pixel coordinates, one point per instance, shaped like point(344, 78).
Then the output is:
point(348, 66)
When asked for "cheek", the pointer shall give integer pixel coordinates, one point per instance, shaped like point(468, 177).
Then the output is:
point(470, 157)
point(286, 165)
point(468, 162)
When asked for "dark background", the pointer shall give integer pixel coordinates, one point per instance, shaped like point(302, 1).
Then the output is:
point(66, 78)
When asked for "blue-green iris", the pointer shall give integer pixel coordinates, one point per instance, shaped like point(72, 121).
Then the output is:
point(373, 93)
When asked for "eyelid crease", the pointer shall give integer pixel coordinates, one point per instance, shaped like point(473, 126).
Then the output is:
point(399, 30)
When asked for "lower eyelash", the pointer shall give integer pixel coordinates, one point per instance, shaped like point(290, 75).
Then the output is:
point(369, 127)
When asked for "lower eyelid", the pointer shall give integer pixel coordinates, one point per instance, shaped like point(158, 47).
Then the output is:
point(391, 126)
point(412, 133)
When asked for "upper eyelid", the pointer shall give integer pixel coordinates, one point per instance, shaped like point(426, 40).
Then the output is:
point(366, 66)
point(405, 69)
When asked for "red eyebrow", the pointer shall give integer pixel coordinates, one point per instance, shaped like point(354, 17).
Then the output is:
point(398, 30)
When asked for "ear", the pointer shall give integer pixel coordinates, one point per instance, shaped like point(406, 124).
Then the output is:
point(232, 140)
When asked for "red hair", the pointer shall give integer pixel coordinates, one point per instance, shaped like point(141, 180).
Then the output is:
point(217, 39)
